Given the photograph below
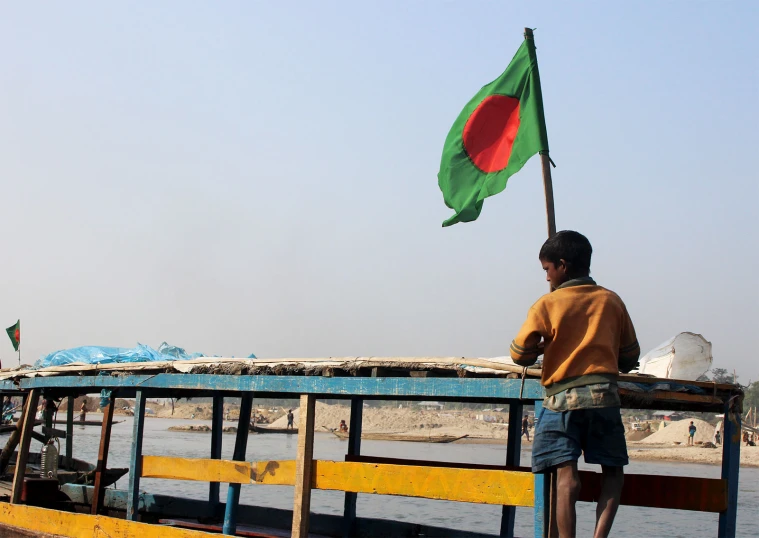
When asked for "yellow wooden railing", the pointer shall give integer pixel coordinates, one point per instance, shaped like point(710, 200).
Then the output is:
point(451, 484)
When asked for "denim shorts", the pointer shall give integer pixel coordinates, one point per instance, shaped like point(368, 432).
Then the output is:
point(562, 436)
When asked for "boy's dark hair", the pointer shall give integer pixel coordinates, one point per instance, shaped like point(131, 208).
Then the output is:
point(572, 247)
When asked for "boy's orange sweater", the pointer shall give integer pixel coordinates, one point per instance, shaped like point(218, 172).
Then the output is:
point(589, 337)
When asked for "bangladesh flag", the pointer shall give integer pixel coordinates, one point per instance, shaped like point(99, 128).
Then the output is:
point(493, 137)
point(14, 333)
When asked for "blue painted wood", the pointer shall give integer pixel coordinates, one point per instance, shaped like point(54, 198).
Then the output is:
point(542, 506)
point(135, 460)
point(8, 385)
point(217, 424)
point(731, 457)
point(241, 446)
point(391, 387)
point(513, 450)
point(354, 449)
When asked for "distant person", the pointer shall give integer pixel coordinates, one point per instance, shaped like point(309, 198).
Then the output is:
point(290, 419)
point(691, 433)
point(343, 427)
point(525, 428)
point(586, 338)
point(745, 437)
point(83, 411)
point(717, 438)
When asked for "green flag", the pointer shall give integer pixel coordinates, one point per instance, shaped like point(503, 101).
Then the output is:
point(14, 333)
point(493, 137)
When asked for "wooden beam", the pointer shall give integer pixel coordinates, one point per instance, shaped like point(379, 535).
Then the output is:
point(204, 470)
point(105, 443)
point(241, 446)
point(47, 416)
point(654, 491)
point(46, 522)
point(217, 426)
point(53, 432)
point(658, 491)
point(32, 401)
point(477, 485)
point(304, 466)
point(465, 485)
point(513, 455)
point(447, 389)
point(541, 499)
point(731, 460)
point(135, 459)
point(354, 448)
point(70, 430)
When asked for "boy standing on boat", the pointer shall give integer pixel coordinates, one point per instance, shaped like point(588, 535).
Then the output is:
point(587, 338)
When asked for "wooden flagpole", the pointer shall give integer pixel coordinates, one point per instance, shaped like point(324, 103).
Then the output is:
point(551, 527)
point(545, 160)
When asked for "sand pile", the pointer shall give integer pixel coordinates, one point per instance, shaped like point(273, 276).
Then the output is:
point(677, 432)
point(405, 420)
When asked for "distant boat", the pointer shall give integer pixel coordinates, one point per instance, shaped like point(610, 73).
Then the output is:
point(263, 429)
point(86, 422)
point(402, 437)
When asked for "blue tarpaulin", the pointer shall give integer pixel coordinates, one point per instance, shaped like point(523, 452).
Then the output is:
point(105, 355)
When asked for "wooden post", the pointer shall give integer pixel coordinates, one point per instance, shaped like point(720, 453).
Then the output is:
point(26, 438)
point(513, 456)
point(541, 509)
point(70, 430)
point(731, 458)
point(241, 446)
point(98, 493)
point(217, 426)
point(47, 416)
point(304, 466)
point(135, 460)
point(354, 449)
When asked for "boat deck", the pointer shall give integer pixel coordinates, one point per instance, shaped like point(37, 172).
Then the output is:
point(355, 379)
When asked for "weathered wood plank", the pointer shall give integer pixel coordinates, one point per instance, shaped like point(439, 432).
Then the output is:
point(304, 466)
point(477, 485)
point(513, 454)
point(70, 430)
point(204, 470)
point(58, 523)
point(105, 444)
point(731, 460)
point(217, 424)
point(32, 400)
point(466, 485)
point(658, 491)
point(653, 491)
point(354, 448)
point(135, 459)
point(241, 447)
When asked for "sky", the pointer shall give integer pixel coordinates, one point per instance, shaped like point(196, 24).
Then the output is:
point(261, 177)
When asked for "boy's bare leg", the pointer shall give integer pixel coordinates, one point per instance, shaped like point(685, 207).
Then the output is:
point(612, 480)
point(568, 491)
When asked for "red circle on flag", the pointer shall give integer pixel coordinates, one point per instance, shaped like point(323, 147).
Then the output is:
point(490, 131)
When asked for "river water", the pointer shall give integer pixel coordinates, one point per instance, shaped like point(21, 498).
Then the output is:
point(630, 521)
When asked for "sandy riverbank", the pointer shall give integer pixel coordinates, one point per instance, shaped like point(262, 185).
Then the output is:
point(690, 454)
